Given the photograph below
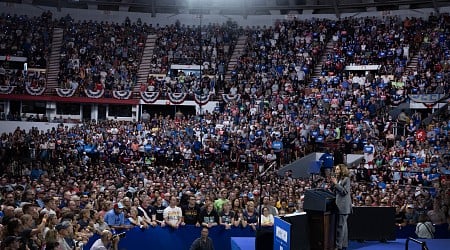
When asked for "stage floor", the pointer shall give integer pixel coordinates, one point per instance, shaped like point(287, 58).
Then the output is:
point(248, 243)
point(399, 244)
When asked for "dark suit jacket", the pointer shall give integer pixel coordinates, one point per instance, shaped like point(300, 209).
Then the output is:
point(343, 197)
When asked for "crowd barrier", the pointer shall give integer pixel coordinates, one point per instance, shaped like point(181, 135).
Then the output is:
point(182, 238)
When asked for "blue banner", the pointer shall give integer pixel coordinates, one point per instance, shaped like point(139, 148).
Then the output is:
point(281, 235)
point(180, 239)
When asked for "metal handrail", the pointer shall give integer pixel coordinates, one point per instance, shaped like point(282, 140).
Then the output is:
point(422, 243)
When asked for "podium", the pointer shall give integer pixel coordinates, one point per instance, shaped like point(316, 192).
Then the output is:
point(319, 200)
point(320, 206)
point(299, 231)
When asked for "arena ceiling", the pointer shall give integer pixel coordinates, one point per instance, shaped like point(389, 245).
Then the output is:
point(242, 7)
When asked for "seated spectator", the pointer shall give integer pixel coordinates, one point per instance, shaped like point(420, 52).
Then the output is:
point(115, 217)
point(135, 219)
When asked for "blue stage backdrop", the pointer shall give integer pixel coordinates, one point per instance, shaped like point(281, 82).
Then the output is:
point(180, 239)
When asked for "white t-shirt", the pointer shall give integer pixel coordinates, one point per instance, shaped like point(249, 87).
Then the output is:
point(173, 214)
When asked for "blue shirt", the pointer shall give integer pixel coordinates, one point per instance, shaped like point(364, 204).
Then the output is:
point(113, 219)
point(328, 160)
point(368, 149)
point(277, 145)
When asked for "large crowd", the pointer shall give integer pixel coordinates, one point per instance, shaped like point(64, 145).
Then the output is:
point(25, 37)
point(62, 185)
point(208, 45)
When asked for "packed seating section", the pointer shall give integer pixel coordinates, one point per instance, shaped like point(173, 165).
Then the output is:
point(283, 114)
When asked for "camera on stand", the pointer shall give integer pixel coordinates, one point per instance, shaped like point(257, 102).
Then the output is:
point(120, 235)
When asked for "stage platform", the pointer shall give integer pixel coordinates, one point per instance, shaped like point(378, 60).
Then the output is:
point(248, 243)
point(242, 243)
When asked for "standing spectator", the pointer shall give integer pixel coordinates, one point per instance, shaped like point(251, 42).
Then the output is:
point(85, 219)
point(250, 215)
point(30, 231)
point(63, 234)
point(208, 216)
point(424, 228)
point(145, 116)
point(402, 121)
point(327, 162)
point(159, 211)
point(267, 218)
point(11, 243)
point(173, 214)
point(8, 213)
point(437, 214)
point(226, 216)
point(187, 155)
point(49, 205)
point(341, 187)
point(204, 242)
point(191, 212)
point(410, 215)
point(99, 223)
point(52, 221)
point(10, 200)
point(266, 203)
point(400, 220)
point(218, 204)
point(369, 152)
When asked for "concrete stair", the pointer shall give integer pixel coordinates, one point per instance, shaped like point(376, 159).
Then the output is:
point(53, 62)
point(237, 52)
point(318, 68)
point(413, 62)
point(144, 67)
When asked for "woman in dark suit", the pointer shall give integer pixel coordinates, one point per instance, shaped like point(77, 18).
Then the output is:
point(341, 187)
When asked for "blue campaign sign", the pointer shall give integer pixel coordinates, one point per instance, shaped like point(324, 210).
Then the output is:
point(281, 235)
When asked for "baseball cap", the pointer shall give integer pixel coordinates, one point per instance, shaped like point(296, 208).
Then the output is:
point(118, 205)
point(62, 225)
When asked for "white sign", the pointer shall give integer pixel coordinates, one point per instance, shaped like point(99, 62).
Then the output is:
point(362, 67)
point(281, 233)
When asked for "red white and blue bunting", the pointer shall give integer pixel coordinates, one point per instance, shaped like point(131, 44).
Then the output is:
point(122, 94)
point(34, 91)
point(65, 92)
point(177, 98)
point(7, 89)
point(149, 97)
point(230, 98)
point(202, 99)
point(94, 93)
